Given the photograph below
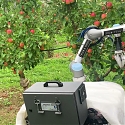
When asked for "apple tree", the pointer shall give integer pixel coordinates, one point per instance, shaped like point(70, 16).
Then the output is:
point(22, 37)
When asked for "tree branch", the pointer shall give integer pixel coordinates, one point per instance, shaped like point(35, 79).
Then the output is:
point(106, 74)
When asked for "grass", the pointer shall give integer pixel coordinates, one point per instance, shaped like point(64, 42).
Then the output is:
point(50, 69)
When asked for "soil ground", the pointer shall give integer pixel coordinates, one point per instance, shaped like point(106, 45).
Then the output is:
point(10, 103)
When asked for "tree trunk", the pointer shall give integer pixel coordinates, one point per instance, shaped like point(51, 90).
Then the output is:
point(24, 82)
point(50, 54)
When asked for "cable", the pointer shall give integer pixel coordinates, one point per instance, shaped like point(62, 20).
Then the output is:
point(83, 34)
point(93, 44)
point(111, 39)
point(84, 31)
point(55, 49)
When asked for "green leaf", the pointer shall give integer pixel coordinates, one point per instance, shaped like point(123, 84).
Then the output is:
point(30, 55)
point(107, 61)
point(116, 77)
point(120, 71)
point(107, 66)
point(101, 65)
point(27, 67)
point(12, 60)
point(102, 23)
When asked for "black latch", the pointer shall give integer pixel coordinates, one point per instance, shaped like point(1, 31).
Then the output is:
point(82, 93)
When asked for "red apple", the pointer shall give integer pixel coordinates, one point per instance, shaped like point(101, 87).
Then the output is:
point(68, 44)
point(21, 45)
point(12, 68)
point(103, 7)
point(54, 14)
point(10, 40)
point(8, 31)
point(93, 14)
point(89, 51)
point(103, 16)
point(42, 47)
point(5, 64)
point(21, 12)
point(89, 54)
point(97, 23)
point(32, 31)
point(109, 5)
point(123, 44)
point(74, 46)
point(67, 1)
point(65, 54)
point(14, 72)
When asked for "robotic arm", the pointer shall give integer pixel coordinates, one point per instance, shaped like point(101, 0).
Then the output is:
point(94, 34)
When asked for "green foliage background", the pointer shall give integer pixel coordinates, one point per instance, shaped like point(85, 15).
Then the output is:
point(53, 18)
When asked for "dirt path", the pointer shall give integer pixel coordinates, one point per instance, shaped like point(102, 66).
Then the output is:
point(10, 102)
